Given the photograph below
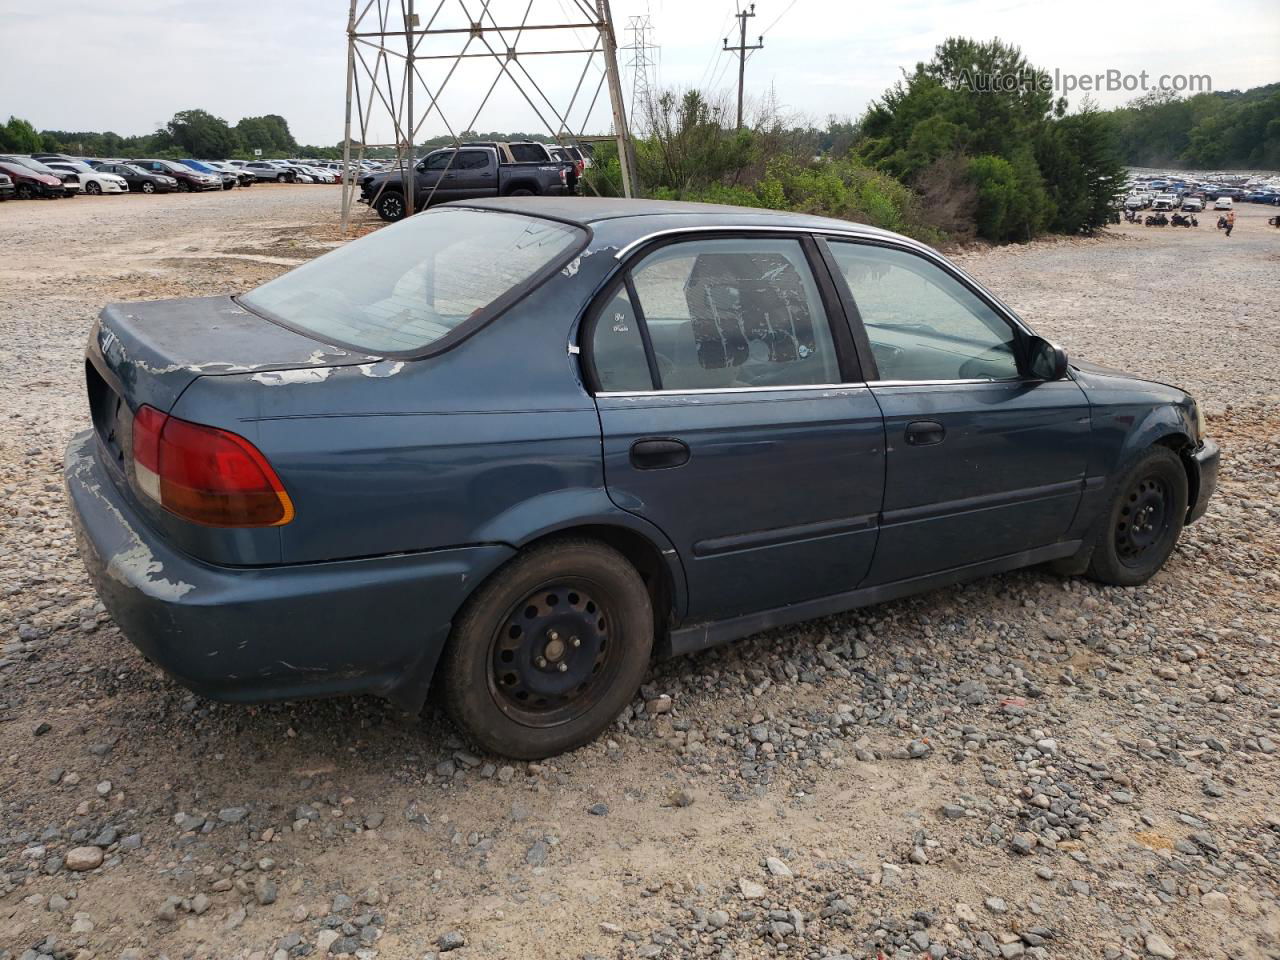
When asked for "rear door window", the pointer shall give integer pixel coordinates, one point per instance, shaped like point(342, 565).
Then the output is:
point(734, 313)
point(617, 347)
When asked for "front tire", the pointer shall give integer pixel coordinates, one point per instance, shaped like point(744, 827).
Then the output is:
point(549, 650)
point(92, 188)
point(148, 187)
point(390, 206)
point(184, 187)
point(1141, 527)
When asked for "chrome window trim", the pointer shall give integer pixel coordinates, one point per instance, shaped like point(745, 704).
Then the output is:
point(626, 250)
point(917, 383)
point(709, 390)
point(817, 386)
point(886, 239)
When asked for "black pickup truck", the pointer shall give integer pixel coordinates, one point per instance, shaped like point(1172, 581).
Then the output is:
point(461, 174)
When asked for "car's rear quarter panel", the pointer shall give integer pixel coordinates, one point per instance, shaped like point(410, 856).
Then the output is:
point(482, 443)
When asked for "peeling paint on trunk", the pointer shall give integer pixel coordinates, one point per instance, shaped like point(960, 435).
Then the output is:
point(280, 378)
point(384, 368)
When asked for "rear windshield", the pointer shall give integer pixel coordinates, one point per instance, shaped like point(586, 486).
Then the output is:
point(528, 152)
point(406, 286)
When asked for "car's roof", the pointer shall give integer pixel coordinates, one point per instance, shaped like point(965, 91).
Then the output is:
point(590, 210)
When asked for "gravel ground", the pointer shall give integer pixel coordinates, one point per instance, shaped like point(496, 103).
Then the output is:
point(1027, 766)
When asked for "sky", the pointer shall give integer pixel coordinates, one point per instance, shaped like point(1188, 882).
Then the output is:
point(129, 65)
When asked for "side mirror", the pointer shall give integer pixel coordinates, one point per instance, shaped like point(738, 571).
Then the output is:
point(1047, 361)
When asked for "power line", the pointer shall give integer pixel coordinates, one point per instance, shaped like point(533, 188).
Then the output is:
point(714, 60)
point(779, 17)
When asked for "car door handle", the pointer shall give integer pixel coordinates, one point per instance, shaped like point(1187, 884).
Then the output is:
point(659, 454)
point(922, 433)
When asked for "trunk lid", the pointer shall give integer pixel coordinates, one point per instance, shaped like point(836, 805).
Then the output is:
point(150, 352)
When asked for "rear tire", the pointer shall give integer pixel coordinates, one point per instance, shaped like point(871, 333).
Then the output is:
point(184, 187)
point(1141, 526)
point(520, 192)
point(549, 650)
point(24, 191)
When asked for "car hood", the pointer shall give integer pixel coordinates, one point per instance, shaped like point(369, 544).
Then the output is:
point(1096, 376)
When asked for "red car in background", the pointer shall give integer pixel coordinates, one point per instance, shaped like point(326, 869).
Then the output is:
point(29, 184)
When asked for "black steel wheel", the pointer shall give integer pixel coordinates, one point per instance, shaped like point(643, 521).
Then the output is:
point(548, 650)
point(550, 657)
point(1143, 521)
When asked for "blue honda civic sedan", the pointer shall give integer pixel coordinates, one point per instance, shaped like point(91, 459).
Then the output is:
point(517, 447)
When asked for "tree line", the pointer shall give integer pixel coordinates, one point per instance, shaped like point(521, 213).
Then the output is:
point(191, 133)
point(1209, 130)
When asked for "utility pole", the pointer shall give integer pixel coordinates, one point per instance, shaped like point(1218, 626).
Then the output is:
point(741, 50)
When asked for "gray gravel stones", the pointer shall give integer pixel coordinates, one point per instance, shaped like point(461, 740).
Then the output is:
point(453, 940)
point(1102, 762)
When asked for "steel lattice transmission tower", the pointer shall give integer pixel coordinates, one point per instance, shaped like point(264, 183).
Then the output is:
point(642, 61)
point(393, 47)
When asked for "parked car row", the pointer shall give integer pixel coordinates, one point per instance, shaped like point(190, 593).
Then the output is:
point(1193, 195)
point(53, 175)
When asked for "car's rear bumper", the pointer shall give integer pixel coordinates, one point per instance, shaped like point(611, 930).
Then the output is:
point(1206, 459)
point(250, 634)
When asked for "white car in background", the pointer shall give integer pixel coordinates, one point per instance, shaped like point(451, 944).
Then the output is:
point(1223, 203)
point(92, 181)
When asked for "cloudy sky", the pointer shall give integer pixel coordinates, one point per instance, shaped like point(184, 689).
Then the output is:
point(128, 65)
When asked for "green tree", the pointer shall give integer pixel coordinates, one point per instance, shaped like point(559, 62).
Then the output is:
point(19, 136)
point(200, 134)
point(269, 133)
point(1080, 163)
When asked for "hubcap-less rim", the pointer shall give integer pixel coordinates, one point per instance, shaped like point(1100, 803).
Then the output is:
point(553, 655)
point(393, 207)
point(1143, 520)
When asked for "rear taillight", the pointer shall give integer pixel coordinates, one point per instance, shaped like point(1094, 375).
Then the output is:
point(211, 476)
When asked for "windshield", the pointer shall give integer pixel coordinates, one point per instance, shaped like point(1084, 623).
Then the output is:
point(406, 286)
point(35, 165)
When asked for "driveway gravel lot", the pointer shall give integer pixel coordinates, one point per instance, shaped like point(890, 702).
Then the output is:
point(1027, 766)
